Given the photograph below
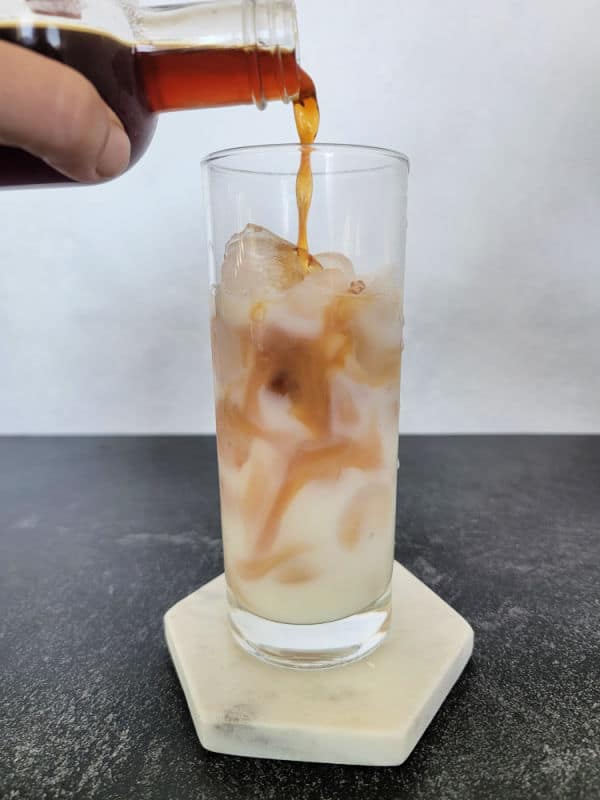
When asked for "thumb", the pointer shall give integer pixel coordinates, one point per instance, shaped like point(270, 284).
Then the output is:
point(55, 113)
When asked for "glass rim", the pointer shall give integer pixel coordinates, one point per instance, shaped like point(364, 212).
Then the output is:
point(214, 160)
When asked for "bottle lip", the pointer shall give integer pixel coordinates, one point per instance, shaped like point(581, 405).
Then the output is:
point(381, 158)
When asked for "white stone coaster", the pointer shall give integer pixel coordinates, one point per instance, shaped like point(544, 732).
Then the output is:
point(371, 712)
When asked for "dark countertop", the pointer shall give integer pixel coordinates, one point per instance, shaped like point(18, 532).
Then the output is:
point(99, 536)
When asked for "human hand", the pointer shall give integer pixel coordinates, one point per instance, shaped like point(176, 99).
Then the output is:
point(55, 113)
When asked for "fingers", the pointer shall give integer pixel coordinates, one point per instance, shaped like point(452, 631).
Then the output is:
point(55, 113)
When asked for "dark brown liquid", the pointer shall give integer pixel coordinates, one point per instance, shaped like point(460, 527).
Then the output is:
point(136, 83)
point(187, 77)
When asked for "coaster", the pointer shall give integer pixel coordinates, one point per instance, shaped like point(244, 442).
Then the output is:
point(372, 712)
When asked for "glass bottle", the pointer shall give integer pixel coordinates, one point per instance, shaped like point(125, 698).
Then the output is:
point(144, 59)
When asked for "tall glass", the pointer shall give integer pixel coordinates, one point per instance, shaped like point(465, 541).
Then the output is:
point(306, 356)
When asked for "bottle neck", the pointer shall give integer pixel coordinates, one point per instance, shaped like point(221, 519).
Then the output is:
point(218, 53)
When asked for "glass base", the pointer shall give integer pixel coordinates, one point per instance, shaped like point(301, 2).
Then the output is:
point(318, 646)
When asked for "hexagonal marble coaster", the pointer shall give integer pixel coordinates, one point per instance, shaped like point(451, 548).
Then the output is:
point(371, 712)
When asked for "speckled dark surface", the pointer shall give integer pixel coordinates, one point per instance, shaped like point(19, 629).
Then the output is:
point(98, 537)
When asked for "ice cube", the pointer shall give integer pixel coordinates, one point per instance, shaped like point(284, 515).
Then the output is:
point(310, 297)
point(228, 351)
point(381, 321)
point(257, 260)
point(370, 513)
point(260, 481)
point(300, 311)
point(336, 261)
point(328, 281)
point(377, 333)
point(234, 308)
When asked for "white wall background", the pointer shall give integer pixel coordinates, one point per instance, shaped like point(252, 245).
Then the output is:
point(103, 301)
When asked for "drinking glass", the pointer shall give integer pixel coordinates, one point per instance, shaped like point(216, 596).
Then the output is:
point(306, 355)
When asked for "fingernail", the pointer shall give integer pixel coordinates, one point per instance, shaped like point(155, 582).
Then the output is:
point(114, 159)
